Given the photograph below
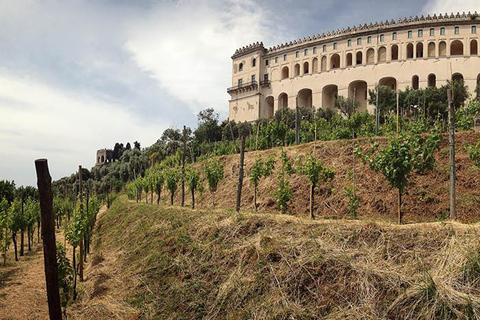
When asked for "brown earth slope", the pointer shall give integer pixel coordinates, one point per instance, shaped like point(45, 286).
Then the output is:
point(427, 198)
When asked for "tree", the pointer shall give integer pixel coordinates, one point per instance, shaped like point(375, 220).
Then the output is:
point(208, 129)
point(387, 99)
point(259, 170)
point(346, 106)
point(400, 157)
point(158, 180)
point(15, 224)
point(4, 229)
point(193, 178)
point(284, 192)
point(171, 177)
point(7, 190)
point(316, 173)
point(214, 173)
point(136, 145)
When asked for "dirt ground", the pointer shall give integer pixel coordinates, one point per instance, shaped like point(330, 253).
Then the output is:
point(22, 285)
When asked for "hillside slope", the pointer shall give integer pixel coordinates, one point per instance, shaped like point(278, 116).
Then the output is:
point(173, 263)
point(427, 198)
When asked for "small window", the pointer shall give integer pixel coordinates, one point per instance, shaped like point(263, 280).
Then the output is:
point(432, 32)
point(305, 52)
point(240, 66)
point(314, 50)
point(276, 59)
point(296, 54)
point(334, 46)
point(369, 39)
point(266, 62)
point(240, 82)
point(359, 41)
point(253, 78)
point(394, 36)
point(285, 57)
point(457, 30)
point(474, 29)
point(265, 77)
point(410, 33)
point(442, 31)
point(420, 33)
point(382, 38)
point(324, 48)
point(254, 62)
point(349, 42)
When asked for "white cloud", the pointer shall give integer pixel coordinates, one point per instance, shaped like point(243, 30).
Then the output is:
point(449, 6)
point(38, 121)
point(187, 46)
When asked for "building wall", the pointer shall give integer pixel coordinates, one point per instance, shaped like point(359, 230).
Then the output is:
point(320, 69)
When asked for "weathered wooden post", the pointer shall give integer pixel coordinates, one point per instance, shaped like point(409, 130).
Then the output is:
point(80, 190)
point(183, 166)
point(240, 173)
point(44, 183)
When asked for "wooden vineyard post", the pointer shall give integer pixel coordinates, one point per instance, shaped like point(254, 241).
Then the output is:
point(183, 166)
point(240, 174)
point(44, 183)
point(80, 184)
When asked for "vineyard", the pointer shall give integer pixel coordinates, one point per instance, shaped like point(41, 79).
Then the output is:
point(275, 219)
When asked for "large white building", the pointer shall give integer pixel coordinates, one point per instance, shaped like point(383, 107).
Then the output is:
point(416, 52)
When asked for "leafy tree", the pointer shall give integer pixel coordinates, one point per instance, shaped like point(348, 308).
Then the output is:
point(7, 190)
point(284, 192)
point(4, 229)
point(193, 178)
point(403, 155)
point(259, 170)
point(128, 146)
point(158, 182)
point(146, 187)
point(208, 129)
point(136, 145)
point(316, 173)
point(214, 173)
point(346, 106)
point(171, 177)
point(387, 99)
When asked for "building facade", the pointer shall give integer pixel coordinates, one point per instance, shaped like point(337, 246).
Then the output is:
point(104, 156)
point(415, 52)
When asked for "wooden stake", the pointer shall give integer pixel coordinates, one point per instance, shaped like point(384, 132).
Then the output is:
point(240, 174)
point(44, 183)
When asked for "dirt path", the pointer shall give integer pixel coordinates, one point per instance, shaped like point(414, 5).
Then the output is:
point(22, 285)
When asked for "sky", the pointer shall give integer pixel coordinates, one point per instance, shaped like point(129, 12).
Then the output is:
point(80, 75)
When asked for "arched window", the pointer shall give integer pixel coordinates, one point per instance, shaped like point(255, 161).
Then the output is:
point(314, 65)
point(442, 49)
point(370, 56)
point(394, 52)
point(382, 54)
point(349, 60)
point(432, 80)
point(296, 70)
point(415, 82)
point(457, 77)
point(420, 50)
point(473, 48)
point(254, 62)
point(240, 66)
point(285, 73)
point(359, 58)
point(410, 51)
point(335, 61)
point(282, 100)
point(323, 64)
point(456, 48)
point(431, 50)
point(305, 68)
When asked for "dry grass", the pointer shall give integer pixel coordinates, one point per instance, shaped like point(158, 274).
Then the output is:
point(172, 263)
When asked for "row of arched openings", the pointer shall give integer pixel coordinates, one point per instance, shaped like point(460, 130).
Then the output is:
point(456, 49)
